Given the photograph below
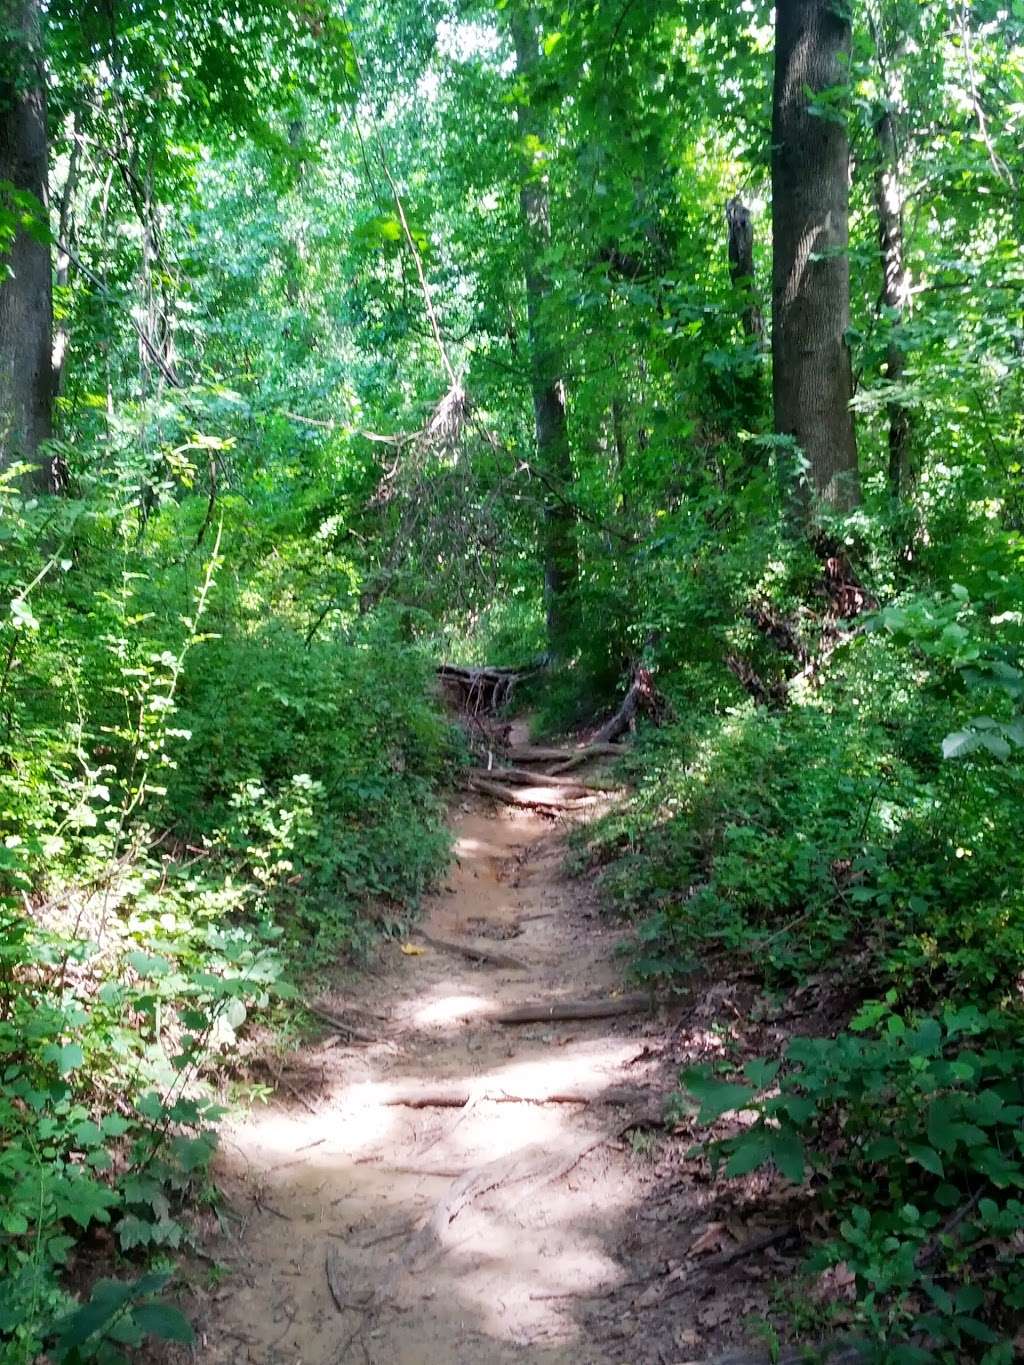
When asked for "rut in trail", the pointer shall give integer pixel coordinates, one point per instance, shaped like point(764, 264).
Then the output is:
point(455, 1232)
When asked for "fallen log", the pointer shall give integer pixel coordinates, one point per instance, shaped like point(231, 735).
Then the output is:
point(473, 951)
point(458, 1095)
point(545, 1011)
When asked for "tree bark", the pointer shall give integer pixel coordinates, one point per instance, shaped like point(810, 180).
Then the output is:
point(558, 530)
point(741, 264)
point(26, 284)
point(812, 381)
point(895, 294)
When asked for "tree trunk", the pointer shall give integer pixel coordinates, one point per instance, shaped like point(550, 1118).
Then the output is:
point(554, 456)
point(812, 381)
point(26, 285)
point(741, 264)
point(895, 293)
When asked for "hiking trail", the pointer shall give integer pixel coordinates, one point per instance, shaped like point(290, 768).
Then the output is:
point(463, 1223)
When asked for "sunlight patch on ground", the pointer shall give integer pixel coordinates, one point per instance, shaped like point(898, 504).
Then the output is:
point(449, 1009)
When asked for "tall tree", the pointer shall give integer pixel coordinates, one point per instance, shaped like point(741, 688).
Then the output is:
point(554, 454)
point(812, 381)
point(26, 289)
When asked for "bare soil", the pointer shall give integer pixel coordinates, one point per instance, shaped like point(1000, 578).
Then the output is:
point(445, 1188)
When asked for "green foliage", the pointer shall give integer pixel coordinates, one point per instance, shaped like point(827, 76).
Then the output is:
point(195, 792)
point(913, 1125)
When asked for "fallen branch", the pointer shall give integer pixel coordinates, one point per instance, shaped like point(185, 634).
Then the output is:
point(472, 951)
point(541, 1012)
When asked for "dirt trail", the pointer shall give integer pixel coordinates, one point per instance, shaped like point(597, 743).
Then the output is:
point(386, 1234)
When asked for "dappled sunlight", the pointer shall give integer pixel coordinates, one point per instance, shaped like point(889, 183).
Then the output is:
point(449, 1009)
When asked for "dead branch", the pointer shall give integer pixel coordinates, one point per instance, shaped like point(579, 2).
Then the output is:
point(473, 951)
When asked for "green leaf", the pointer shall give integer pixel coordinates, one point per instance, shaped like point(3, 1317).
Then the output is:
point(789, 1156)
point(761, 1073)
point(69, 1056)
point(752, 1150)
point(163, 1321)
point(928, 1158)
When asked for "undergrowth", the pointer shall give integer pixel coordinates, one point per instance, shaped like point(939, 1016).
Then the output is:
point(199, 797)
point(861, 842)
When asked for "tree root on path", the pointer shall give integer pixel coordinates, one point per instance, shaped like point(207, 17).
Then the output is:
point(532, 753)
point(472, 951)
point(543, 1012)
point(457, 1096)
point(551, 808)
point(531, 1166)
point(520, 777)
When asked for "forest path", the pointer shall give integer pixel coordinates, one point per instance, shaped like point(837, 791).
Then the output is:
point(393, 1235)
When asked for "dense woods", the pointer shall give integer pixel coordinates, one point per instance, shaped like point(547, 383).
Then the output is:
point(672, 352)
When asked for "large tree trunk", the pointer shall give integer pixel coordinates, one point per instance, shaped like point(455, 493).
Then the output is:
point(895, 294)
point(26, 285)
point(812, 381)
point(554, 456)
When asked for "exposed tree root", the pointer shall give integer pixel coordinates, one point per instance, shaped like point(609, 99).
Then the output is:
point(531, 1167)
point(532, 753)
point(481, 691)
point(513, 798)
point(520, 777)
point(457, 1095)
point(473, 951)
point(544, 1011)
point(642, 697)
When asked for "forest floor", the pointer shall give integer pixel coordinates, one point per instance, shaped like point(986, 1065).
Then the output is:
point(533, 1208)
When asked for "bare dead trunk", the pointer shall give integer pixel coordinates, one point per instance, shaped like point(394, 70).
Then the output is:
point(558, 530)
point(812, 381)
point(895, 294)
point(26, 285)
point(741, 264)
